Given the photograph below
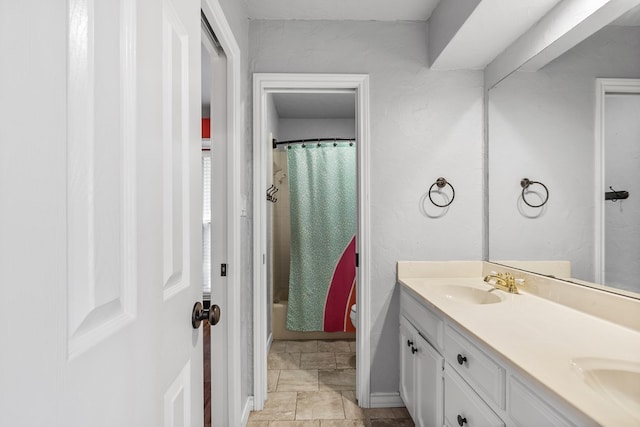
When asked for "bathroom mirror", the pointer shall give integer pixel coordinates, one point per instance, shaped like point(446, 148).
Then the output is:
point(545, 126)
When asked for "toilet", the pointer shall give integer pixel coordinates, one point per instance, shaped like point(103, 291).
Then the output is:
point(352, 315)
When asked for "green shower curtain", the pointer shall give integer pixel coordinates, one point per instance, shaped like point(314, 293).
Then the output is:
point(322, 184)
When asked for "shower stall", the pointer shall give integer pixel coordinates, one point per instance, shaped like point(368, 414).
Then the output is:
point(312, 219)
point(313, 238)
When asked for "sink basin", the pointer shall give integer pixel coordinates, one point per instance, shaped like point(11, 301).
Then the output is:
point(617, 380)
point(468, 294)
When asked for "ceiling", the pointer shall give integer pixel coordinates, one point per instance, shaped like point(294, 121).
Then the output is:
point(315, 105)
point(631, 18)
point(493, 26)
point(339, 10)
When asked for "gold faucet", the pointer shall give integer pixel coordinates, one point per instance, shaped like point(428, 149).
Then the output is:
point(505, 282)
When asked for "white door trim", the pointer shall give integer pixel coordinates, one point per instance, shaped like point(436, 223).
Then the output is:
point(215, 15)
point(604, 87)
point(264, 83)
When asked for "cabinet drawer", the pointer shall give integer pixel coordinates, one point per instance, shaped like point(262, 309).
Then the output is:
point(484, 375)
point(527, 409)
point(429, 325)
point(463, 407)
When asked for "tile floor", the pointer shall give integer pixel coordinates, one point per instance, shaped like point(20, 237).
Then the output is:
point(312, 384)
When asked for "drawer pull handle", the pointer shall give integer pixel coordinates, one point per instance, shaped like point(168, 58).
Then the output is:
point(461, 360)
point(461, 421)
point(409, 343)
point(414, 350)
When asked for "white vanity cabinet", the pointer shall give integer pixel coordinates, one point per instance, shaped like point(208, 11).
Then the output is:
point(421, 362)
point(448, 378)
point(421, 377)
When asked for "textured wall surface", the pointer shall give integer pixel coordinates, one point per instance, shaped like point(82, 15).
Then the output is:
point(273, 121)
point(424, 124)
point(541, 126)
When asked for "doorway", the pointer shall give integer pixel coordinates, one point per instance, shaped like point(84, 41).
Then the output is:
point(265, 87)
point(617, 133)
point(221, 102)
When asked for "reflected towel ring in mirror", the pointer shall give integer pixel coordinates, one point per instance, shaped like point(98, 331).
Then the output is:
point(525, 183)
point(440, 183)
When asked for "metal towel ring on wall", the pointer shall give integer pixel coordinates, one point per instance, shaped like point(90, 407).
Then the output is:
point(526, 183)
point(440, 183)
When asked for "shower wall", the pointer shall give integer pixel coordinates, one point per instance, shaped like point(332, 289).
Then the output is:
point(291, 129)
point(272, 130)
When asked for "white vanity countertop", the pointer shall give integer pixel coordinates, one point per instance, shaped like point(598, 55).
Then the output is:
point(541, 338)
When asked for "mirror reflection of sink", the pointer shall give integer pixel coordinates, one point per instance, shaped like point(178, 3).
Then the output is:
point(468, 294)
point(617, 380)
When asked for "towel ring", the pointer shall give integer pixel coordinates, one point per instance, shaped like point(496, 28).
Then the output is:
point(440, 183)
point(526, 183)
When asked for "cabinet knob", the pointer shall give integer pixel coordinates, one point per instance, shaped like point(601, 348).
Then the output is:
point(409, 343)
point(414, 350)
point(461, 360)
point(461, 421)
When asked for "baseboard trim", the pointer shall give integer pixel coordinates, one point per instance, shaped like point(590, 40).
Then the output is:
point(386, 400)
point(248, 407)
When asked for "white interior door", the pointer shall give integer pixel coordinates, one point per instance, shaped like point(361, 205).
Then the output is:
point(100, 248)
point(622, 173)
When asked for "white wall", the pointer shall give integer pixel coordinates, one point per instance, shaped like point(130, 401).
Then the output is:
point(541, 126)
point(291, 129)
point(424, 124)
point(273, 122)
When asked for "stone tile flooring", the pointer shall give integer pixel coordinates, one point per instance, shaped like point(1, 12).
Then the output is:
point(312, 384)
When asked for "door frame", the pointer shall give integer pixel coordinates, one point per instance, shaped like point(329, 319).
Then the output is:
point(604, 87)
point(216, 17)
point(263, 84)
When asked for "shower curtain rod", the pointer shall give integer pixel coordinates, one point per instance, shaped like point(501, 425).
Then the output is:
point(300, 141)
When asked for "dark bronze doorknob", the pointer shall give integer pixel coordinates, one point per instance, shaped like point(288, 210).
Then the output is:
point(198, 314)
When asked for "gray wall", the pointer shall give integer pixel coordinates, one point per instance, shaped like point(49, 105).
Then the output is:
point(424, 124)
point(316, 128)
point(273, 122)
point(541, 126)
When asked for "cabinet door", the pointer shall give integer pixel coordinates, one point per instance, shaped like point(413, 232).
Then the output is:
point(463, 407)
point(428, 364)
point(407, 374)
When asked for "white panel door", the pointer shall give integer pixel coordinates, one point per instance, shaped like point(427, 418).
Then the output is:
point(622, 173)
point(100, 221)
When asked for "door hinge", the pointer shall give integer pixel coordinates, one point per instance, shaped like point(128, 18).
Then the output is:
point(223, 270)
point(357, 259)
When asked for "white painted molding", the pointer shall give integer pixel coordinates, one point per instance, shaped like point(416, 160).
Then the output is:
point(269, 342)
point(215, 15)
point(264, 83)
point(248, 407)
point(604, 87)
point(386, 400)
